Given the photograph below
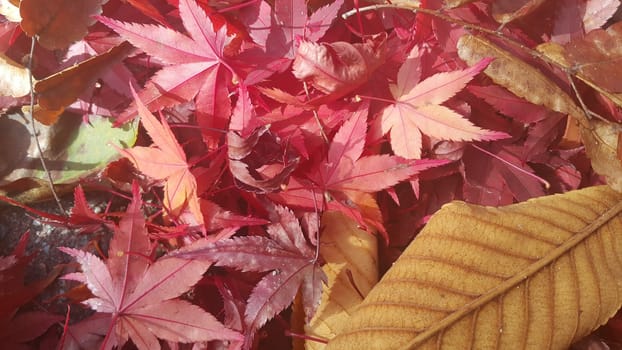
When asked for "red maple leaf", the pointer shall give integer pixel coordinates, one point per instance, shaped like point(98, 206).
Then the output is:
point(166, 161)
point(16, 327)
point(193, 65)
point(345, 174)
point(417, 109)
point(141, 296)
point(289, 22)
point(285, 252)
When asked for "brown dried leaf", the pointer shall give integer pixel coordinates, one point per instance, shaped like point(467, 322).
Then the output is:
point(557, 53)
point(598, 57)
point(601, 145)
point(347, 250)
point(58, 23)
point(535, 275)
point(519, 77)
point(505, 11)
point(63, 88)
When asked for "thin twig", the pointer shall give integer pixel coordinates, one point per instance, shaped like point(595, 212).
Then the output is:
point(35, 133)
point(569, 71)
point(316, 116)
point(467, 25)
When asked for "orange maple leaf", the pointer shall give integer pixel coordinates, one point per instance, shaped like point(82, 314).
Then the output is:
point(166, 161)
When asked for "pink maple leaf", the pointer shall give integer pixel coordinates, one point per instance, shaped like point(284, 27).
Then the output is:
point(141, 296)
point(417, 109)
point(192, 64)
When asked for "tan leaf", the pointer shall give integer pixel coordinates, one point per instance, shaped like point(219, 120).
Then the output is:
point(601, 145)
point(519, 77)
point(346, 250)
point(536, 275)
point(13, 78)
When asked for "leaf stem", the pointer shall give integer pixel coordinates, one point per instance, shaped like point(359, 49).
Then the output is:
point(35, 133)
point(546, 184)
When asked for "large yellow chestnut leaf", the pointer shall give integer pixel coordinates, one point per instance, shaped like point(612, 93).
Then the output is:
point(536, 275)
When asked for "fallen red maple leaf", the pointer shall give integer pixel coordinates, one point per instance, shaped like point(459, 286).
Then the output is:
point(417, 109)
point(345, 174)
point(140, 295)
point(192, 64)
point(285, 252)
point(166, 162)
point(20, 327)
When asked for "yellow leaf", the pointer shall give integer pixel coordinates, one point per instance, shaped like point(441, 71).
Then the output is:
point(519, 77)
point(535, 275)
point(346, 250)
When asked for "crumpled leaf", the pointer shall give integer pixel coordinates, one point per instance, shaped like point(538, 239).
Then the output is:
point(58, 23)
point(418, 109)
point(352, 269)
point(538, 274)
point(245, 165)
point(519, 77)
point(601, 145)
point(338, 68)
point(142, 296)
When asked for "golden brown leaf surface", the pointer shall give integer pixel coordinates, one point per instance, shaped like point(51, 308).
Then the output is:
point(601, 145)
point(519, 77)
point(347, 250)
point(536, 275)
